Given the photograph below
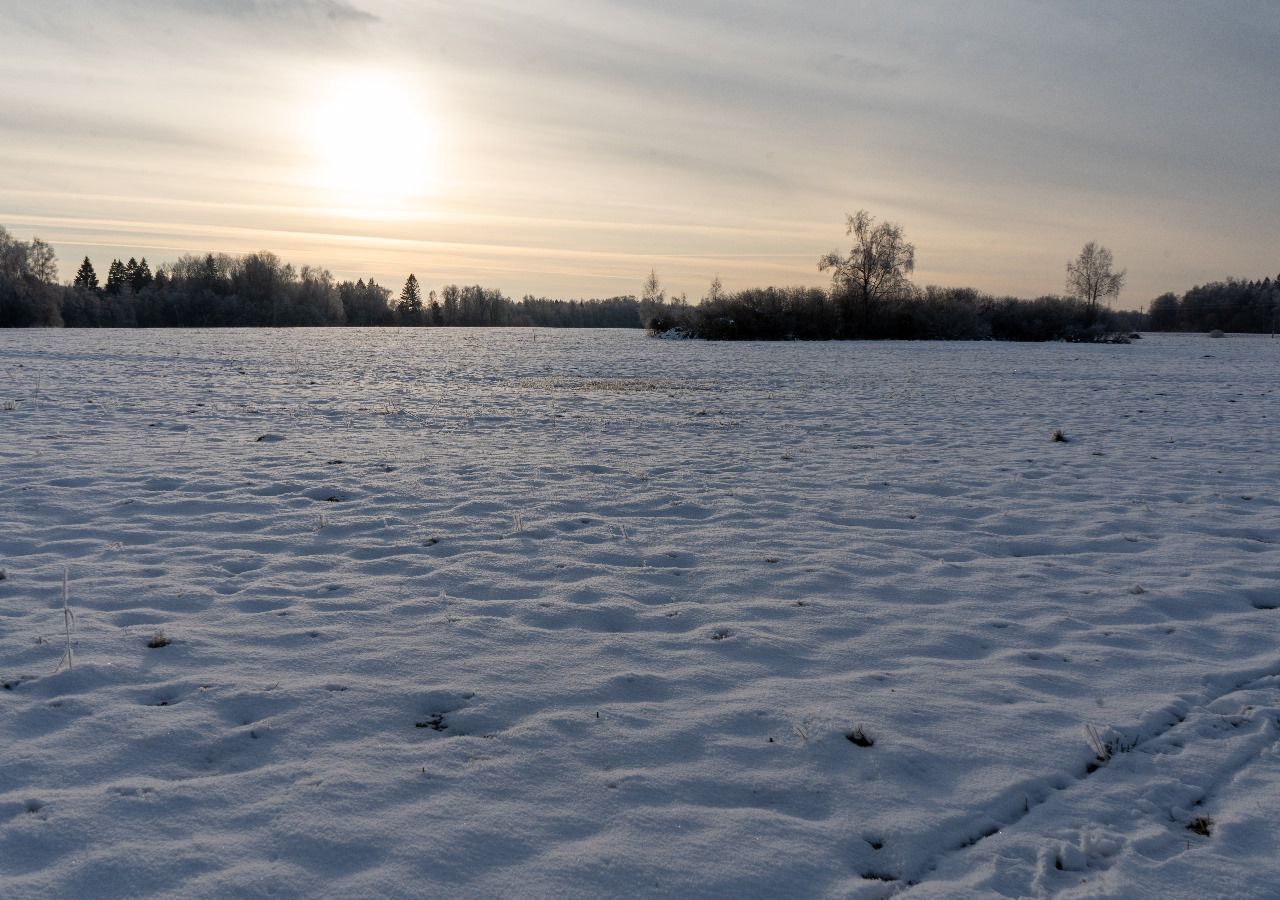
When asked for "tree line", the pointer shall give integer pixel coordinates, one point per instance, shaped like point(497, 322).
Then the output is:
point(932, 313)
point(259, 289)
point(1231, 305)
point(872, 298)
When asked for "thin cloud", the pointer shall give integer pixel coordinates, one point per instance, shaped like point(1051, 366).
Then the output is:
point(1001, 134)
point(147, 27)
point(307, 10)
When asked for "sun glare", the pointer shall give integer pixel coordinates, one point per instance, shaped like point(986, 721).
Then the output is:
point(374, 140)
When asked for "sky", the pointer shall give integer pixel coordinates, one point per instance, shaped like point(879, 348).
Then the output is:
point(566, 148)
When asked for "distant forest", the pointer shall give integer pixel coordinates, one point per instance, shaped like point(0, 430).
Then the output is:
point(871, 297)
point(1240, 306)
point(260, 290)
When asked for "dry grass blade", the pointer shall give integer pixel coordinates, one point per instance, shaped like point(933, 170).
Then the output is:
point(68, 623)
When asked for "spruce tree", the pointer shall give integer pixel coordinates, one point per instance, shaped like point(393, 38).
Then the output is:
point(410, 305)
point(115, 277)
point(141, 276)
point(86, 278)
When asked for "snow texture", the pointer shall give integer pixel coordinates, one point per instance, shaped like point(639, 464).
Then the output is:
point(384, 613)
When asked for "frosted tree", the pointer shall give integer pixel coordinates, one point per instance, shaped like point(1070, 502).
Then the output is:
point(715, 293)
point(1090, 277)
point(29, 293)
point(652, 299)
point(43, 261)
point(653, 292)
point(874, 271)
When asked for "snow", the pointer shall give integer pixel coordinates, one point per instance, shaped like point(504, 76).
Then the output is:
point(563, 613)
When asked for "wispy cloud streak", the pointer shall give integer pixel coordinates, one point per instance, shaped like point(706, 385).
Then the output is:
point(690, 134)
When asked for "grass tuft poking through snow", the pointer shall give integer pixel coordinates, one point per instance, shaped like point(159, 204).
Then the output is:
point(1202, 825)
point(859, 738)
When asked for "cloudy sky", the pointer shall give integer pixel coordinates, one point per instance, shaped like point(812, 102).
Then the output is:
point(565, 147)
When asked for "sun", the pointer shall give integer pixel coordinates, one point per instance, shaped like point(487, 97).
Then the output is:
point(373, 139)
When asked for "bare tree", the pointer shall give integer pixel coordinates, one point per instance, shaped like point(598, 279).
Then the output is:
point(44, 264)
point(29, 294)
point(653, 300)
point(715, 293)
point(875, 270)
point(1090, 278)
point(653, 292)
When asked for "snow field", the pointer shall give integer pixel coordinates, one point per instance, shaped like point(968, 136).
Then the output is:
point(569, 613)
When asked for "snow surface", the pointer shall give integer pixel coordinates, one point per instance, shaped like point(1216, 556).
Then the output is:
point(552, 613)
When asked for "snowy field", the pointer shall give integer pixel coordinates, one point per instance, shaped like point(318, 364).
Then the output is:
point(574, 614)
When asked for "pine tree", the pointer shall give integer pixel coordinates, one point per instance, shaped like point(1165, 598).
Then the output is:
point(86, 278)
